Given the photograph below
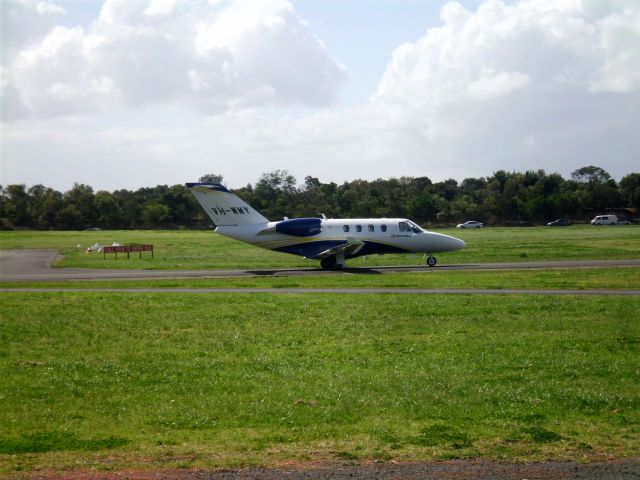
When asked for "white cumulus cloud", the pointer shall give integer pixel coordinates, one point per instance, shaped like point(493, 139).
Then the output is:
point(534, 83)
point(520, 85)
point(208, 56)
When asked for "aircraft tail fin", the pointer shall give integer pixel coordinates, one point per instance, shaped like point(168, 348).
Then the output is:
point(223, 207)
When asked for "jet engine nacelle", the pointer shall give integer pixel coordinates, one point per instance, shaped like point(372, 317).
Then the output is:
point(300, 227)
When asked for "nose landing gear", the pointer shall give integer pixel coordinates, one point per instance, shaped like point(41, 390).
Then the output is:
point(431, 261)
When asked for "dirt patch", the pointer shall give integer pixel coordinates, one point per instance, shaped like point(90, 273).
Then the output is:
point(458, 469)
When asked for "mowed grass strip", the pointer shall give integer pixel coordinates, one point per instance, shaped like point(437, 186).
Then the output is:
point(183, 249)
point(151, 380)
point(622, 278)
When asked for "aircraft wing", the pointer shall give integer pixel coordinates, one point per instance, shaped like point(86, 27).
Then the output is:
point(350, 247)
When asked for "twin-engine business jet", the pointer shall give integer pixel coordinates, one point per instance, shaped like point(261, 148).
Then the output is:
point(332, 241)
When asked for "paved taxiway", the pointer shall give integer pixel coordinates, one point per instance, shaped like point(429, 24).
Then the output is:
point(35, 265)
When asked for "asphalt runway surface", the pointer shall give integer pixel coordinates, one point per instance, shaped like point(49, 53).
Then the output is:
point(35, 265)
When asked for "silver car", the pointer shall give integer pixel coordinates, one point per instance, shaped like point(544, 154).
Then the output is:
point(470, 224)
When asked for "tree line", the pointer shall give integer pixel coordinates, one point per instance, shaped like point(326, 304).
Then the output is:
point(504, 198)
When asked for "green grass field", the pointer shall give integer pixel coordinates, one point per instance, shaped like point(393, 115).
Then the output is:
point(206, 250)
point(112, 381)
point(109, 381)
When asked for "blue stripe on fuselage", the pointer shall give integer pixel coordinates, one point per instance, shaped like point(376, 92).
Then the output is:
point(311, 249)
point(375, 248)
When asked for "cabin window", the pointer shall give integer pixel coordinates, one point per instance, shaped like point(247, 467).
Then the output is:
point(358, 228)
point(345, 228)
point(370, 227)
point(383, 228)
point(403, 226)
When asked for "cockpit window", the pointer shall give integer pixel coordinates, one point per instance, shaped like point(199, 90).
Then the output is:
point(414, 228)
point(409, 227)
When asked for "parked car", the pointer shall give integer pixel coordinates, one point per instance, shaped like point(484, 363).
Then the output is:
point(623, 222)
point(470, 224)
point(604, 220)
point(560, 222)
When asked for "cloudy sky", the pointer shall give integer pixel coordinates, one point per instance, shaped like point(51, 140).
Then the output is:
point(131, 93)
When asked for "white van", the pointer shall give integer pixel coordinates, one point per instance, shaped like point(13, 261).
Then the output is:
point(605, 220)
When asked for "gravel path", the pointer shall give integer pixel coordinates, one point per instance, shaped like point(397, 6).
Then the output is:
point(459, 469)
point(355, 291)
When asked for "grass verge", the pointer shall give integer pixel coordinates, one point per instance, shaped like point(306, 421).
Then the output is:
point(108, 381)
point(206, 250)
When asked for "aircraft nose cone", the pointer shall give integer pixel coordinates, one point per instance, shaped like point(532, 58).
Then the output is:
point(438, 242)
point(456, 243)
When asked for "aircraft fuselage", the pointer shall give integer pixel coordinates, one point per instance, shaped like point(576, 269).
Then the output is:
point(378, 235)
point(329, 240)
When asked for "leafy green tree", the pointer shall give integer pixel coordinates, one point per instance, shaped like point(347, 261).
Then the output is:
point(17, 208)
point(311, 200)
point(447, 189)
point(472, 185)
point(276, 181)
point(3, 201)
point(182, 205)
point(36, 195)
point(70, 218)
point(46, 210)
point(211, 178)
point(590, 175)
point(630, 189)
point(422, 208)
point(156, 215)
point(498, 180)
point(504, 197)
point(274, 194)
point(5, 223)
point(599, 190)
point(130, 208)
point(109, 213)
point(80, 197)
point(462, 209)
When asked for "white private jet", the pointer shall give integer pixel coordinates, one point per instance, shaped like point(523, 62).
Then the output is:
point(330, 240)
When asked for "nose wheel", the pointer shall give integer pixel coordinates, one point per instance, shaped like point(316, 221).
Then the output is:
point(431, 261)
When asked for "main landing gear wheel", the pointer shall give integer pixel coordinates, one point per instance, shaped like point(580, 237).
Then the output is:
point(431, 261)
point(330, 263)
